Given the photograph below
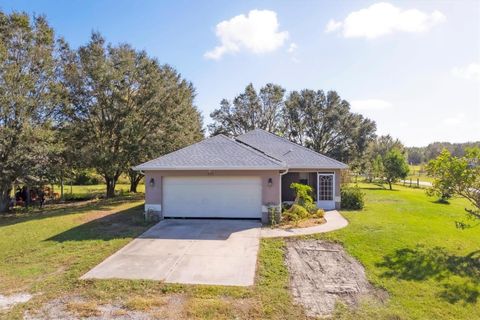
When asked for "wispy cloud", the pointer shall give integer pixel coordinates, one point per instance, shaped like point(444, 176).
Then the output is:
point(370, 104)
point(257, 32)
point(471, 71)
point(292, 47)
point(383, 18)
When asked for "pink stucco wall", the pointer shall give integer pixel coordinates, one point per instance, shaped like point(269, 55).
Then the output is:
point(270, 194)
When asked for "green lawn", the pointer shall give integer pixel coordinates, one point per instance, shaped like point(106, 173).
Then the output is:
point(78, 191)
point(411, 247)
point(408, 244)
point(45, 252)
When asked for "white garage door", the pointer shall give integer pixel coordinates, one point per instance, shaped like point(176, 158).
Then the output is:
point(212, 197)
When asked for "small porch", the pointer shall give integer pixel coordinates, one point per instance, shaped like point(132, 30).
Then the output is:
point(325, 185)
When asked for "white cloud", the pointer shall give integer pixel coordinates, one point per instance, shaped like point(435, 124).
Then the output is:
point(454, 120)
point(370, 104)
point(292, 47)
point(384, 18)
point(471, 71)
point(256, 32)
point(333, 25)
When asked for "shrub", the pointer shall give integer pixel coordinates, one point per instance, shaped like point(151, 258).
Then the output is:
point(311, 207)
point(302, 193)
point(274, 215)
point(319, 213)
point(296, 213)
point(352, 198)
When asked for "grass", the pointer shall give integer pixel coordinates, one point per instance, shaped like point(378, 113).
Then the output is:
point(418, 172)
point(44, 253)
point(88, 191)
point(411, 247)
point(408, 244)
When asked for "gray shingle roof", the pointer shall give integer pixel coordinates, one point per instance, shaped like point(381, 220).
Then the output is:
point(218, 152)
point(294, 155)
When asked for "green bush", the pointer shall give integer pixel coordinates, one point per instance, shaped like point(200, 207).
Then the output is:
point(303, 193)
point(295, 214)
point(352, 198)
point(319, 213)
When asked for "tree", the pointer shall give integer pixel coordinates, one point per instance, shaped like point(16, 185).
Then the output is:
point(28, 97)
point(372, 162)
point(395, 166)
point(249, 111)
point(120, 102)
point(178, 124)
point(324, 123)
point(459, 176)
point(440, 169)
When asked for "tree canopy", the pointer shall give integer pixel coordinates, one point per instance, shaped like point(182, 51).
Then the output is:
point(28, 97)
point(124, 107)
point(322, 122)
point(459, 176)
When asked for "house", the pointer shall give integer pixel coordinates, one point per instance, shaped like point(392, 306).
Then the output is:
point(221, 177)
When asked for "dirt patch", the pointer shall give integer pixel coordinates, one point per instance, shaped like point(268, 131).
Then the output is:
point(163, 307)
point(6, 302)
point(322, 274)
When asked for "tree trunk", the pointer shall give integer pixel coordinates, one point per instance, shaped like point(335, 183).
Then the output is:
point(110, 186)
point(390, 184)
point(135, 178)
point(4, 199)
point(61, 188)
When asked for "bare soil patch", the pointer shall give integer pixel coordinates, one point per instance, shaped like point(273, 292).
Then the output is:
point(76, 307)
point(323, 274)
point(6, 302)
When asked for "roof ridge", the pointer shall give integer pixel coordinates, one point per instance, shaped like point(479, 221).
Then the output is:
point(260, 151)
point(298, 145)
point(251, 149)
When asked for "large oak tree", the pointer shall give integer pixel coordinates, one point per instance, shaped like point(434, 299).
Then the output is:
point(124, 108)
point(28, 98)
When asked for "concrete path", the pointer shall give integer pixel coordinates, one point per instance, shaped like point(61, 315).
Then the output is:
point(334, 219)
point(214, 252)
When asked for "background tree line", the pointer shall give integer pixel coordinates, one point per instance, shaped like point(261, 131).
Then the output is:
point(102, 106)
point(419, 155)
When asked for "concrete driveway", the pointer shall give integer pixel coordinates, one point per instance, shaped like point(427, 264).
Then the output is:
point(215, 252)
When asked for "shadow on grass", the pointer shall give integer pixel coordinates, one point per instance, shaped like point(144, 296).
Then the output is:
point(122, 224)
point(437, 263)
point(65, 209)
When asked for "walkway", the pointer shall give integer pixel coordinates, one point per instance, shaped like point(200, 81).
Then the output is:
point(334, 219)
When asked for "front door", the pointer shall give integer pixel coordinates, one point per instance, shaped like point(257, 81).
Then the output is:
point(326, 191)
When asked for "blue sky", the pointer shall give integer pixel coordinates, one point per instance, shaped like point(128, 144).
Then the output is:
point(412, 66)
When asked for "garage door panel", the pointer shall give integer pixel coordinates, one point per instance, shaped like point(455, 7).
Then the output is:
point(229, 197)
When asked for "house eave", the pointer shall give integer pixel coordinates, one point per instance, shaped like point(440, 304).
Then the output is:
point(207, 168)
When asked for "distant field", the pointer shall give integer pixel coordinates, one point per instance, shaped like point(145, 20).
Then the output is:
point(418, 172)
point(97, 189)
